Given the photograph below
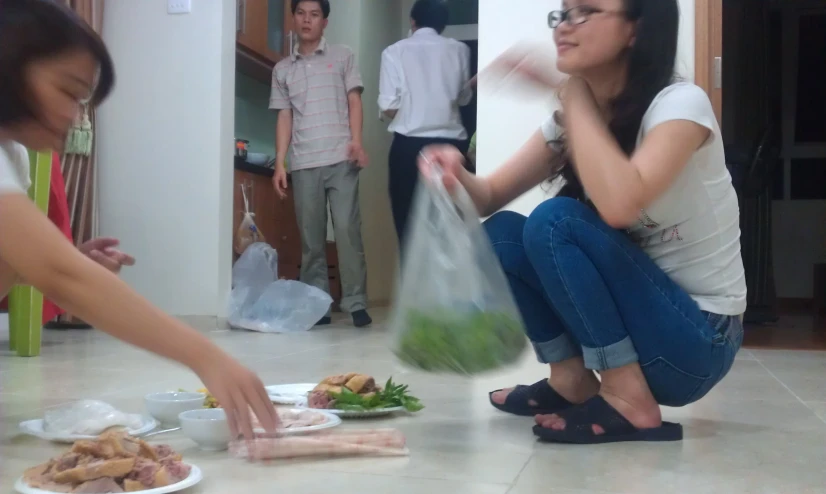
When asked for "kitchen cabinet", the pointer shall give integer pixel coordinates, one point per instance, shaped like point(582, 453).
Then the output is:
point(276, 220)
point(262, 35)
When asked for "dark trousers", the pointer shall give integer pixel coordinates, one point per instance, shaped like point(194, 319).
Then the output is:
point(404, 175)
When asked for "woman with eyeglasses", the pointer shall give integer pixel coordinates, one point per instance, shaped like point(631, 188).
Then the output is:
point(634, 270)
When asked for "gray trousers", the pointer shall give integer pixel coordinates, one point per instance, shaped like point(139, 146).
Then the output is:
point(312, 189)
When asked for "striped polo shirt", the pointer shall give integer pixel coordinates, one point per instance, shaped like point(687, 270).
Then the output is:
point(315, 88)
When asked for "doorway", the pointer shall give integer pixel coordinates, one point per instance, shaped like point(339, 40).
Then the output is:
point(763, 63)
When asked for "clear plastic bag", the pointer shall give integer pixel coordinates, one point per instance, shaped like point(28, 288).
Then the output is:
point(87, 418)
point(454, 311)
point(257, 266)
point(259, 301)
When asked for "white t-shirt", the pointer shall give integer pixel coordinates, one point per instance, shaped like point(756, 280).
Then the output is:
point(692, 231)
point(14, 168)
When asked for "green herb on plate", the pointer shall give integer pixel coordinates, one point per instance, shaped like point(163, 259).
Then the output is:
point(392, 396)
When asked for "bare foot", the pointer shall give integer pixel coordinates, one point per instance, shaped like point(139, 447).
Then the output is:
point(624, 389)
point(576, 387)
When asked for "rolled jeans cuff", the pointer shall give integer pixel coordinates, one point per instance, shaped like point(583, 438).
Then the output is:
point(556, 350)
point(612, 356)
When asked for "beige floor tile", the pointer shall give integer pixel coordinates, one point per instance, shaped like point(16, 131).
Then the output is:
point(819, 407)
point(801, 372)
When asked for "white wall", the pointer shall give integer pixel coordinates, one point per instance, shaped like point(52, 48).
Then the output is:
point(505, 123)
point(165, 150)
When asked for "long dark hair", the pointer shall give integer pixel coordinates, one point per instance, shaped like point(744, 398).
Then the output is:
point(32, 30)
point(651, 66)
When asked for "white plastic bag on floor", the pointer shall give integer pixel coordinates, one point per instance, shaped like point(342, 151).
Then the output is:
point(454, 311)
point(286, 306)
point(259, 301)
point(257, 266)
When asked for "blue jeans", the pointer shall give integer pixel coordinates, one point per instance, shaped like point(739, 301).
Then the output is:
point(585, 289)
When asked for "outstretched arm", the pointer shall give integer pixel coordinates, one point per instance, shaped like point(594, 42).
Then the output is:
point(33, 247)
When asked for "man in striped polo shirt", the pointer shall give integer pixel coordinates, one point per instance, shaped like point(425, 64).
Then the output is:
point(317, 91)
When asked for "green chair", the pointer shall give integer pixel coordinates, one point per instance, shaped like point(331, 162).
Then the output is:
point(25, 302)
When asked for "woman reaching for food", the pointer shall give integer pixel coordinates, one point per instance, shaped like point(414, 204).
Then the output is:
point(51, 62)
point(634, 272)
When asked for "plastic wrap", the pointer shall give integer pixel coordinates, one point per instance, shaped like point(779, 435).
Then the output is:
point(454, 311)
point(88, 418)
point(381, 442)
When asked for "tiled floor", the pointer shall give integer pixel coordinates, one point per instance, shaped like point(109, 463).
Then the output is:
point(762, 431)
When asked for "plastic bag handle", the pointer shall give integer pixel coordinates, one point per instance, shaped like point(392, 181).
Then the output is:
point(246, 201)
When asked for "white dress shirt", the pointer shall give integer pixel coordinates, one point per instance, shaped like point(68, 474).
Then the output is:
point(425, 78)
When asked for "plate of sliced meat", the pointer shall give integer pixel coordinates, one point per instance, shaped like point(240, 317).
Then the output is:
point(296, 422)
point(114, 462)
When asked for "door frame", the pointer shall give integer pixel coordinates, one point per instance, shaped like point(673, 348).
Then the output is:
point(708, 51)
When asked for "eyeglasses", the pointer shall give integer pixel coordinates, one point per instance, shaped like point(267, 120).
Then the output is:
point(576, 16)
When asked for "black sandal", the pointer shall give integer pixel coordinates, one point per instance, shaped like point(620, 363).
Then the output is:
point(519, 400)
point(580, 419)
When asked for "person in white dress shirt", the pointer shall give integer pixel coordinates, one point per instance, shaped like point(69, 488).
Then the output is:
point(424, 80)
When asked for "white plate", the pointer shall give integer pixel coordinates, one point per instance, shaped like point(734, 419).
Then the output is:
point(345, 414)
point(195, 476)
point(289, 394)
point(332, 421)
point(378, 412)
point(35, 428)
point(296, 395)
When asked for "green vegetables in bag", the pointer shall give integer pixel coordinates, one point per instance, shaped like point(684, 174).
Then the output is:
point(460, 342)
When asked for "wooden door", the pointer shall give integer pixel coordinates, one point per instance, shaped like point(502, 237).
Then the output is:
point(708, 51)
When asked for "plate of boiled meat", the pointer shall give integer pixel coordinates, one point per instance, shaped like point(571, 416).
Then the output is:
point(112, 463)
point(357, 395)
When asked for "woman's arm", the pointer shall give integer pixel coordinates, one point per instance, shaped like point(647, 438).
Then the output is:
point(35, 249)
point(8, 278)
point(526, 169)
point(620, 186)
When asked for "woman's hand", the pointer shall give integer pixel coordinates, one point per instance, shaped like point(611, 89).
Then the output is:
point(448, 159)
point(104, 251)
point(451, 162)
point(240, 393)
point(531, 64)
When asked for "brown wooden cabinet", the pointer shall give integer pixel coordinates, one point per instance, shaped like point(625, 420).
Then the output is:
point(263, 30)
point(276, 220)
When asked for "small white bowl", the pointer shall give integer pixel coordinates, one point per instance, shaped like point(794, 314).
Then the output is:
point(259, 159)
point(208, 427)
point(165, 407)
